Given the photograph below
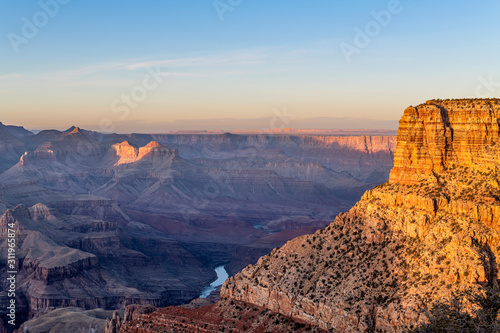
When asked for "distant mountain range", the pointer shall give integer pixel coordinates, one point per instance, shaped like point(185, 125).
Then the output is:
point(275, 123)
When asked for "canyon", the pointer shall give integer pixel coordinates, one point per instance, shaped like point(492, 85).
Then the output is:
point(110, 220)
point(428, 233)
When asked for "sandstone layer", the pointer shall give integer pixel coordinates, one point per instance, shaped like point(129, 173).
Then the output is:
point(439, 135)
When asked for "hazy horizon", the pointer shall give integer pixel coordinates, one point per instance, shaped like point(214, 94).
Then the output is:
point(243, 125)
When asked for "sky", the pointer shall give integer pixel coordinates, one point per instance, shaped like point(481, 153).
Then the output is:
point(157, 66)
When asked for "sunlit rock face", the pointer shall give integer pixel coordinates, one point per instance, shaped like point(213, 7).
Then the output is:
point(439, 135)
point(130, 154)
point(408, 243)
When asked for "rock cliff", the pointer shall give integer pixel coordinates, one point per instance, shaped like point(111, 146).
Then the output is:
point(439, 135)
point(431, 230)
point(114, 324)
point(368, 158)
point(134, 311)
point(127, 153)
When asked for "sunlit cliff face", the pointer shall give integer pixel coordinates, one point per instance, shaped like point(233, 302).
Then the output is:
point(130, 154)
point(439, 135)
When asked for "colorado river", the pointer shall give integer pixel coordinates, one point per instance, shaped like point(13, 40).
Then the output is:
point(221, 277)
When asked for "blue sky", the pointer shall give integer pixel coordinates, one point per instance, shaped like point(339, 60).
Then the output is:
point(263, 56)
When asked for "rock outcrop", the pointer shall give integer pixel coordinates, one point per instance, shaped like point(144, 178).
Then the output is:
point(11, 145)
point(128, 154)
point(135, 311)
point(439, 135)
point(114, 324)
point(431, 230)
point(16, 131)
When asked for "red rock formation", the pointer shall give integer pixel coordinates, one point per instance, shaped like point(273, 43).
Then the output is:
point(445, 134)
point(126, 152)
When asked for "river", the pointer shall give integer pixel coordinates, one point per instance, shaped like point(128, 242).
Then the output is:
point(221, 277)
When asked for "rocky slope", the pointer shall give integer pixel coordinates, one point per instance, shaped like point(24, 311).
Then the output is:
point(428, 232)
point(79, 261)
point(431, 230)
point(225, 316)
point(68, 320)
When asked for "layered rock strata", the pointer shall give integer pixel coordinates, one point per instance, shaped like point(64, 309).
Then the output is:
point(130, 154)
